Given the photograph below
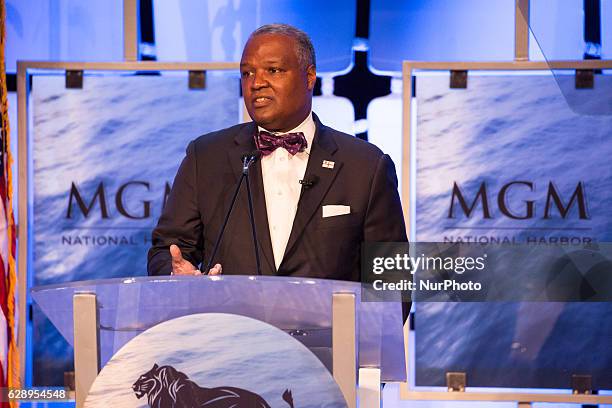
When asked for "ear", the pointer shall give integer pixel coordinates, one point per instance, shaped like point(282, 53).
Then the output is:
point(155, 366)
point(311, 77)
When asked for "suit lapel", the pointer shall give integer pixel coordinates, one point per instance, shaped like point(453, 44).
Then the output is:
point(323, 149)
point(244, 144)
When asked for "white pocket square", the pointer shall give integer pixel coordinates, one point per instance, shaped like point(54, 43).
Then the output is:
point(334, 210)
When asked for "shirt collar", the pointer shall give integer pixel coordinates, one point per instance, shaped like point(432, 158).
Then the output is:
point(307, 127)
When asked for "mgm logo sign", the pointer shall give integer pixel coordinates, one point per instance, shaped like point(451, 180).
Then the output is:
point(554, 205)
point(138, 210)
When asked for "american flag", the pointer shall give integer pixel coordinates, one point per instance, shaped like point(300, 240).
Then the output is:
point(9, 357)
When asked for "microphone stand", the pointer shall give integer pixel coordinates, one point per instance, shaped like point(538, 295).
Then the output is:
point(247, 160)
point(245, 174)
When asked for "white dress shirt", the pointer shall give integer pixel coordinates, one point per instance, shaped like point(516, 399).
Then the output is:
point(282, 173)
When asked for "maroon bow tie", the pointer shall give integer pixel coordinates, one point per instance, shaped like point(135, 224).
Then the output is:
point(292, 142)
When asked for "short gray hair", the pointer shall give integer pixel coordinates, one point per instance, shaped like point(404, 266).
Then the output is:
point(305, 51)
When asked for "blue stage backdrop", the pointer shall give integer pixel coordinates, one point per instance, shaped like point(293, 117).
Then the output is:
point(63, 30)
point(217, 30)
point(477, 30)
point(103, 159)
point(510, 159)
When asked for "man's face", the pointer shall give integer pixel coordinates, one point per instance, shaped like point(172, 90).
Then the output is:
point(277, 90)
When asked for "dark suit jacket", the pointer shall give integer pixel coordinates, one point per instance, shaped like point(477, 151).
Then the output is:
point(362, 177)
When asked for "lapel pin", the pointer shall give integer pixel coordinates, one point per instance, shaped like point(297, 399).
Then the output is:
point(328, 164)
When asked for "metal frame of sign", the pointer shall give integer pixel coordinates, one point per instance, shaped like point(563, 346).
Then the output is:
point(408, 67)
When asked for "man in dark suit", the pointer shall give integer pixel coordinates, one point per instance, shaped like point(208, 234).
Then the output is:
point(348, 193)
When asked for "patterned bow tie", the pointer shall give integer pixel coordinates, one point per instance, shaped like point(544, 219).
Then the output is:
point(292, 142)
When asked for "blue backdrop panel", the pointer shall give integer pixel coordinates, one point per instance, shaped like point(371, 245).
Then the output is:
point(63, 30)
point(558, 28)
point(216, 30)
point(103, 158)
point(440, 30)
point(517, 141)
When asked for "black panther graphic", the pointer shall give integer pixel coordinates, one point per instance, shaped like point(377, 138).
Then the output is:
point(166, 387)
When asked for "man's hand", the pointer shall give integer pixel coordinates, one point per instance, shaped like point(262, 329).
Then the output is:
point(181, 266)
point(216, 270)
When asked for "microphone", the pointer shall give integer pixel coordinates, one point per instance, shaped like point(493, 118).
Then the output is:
point(254, 155)
point(308, 182)
point(247, 160)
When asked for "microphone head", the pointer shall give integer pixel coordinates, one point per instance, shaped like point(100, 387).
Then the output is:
point(254, 155)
